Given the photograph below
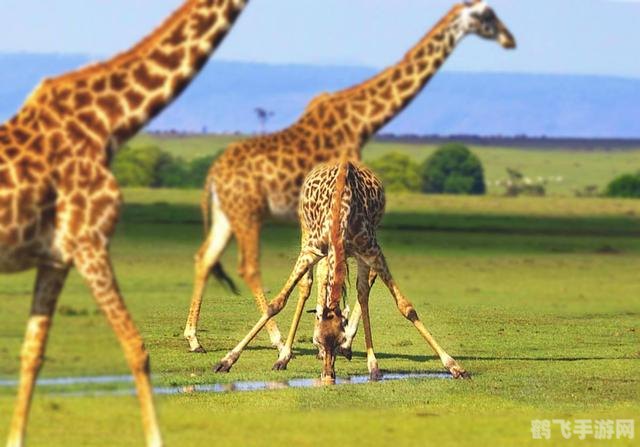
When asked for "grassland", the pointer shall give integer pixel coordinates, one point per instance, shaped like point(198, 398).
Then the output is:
point(565, 170)
point(538, 298)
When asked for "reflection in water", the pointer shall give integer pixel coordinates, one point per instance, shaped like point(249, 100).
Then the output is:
point(213, 388)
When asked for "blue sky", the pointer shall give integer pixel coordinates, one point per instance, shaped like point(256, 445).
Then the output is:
point(554, 36)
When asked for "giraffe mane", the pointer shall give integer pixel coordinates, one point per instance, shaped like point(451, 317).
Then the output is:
point(128, 55)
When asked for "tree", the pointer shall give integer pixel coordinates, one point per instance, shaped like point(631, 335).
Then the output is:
point(199, 169)
point(263, 115)
point(519, 185)
point(398, 172)
point(453, 169)
point(627, 186)
point(170, 172)
point(136, 166)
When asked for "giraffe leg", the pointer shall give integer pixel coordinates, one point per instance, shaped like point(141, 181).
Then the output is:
point(49, 283)
point(364, 284)
point(94, 265)
point(249, 244)
point(305, 285)
point(306, 261)
point(377, 262)
point(354, 319)
point(205, 259)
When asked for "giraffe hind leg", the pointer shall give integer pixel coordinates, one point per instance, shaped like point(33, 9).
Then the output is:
point(375, 259)
point(49, 283)
point(248, 236)
point(94, 265)
point(206, 261)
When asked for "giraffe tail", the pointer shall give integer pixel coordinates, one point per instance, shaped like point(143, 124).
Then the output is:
point(205, 205)
point(217, 271)
point(338, 265)
point(221, 276)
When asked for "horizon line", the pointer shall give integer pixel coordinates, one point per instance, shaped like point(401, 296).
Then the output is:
point(92, 58)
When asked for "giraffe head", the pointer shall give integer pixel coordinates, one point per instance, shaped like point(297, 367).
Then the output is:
point(328, 336)
point(478, 18)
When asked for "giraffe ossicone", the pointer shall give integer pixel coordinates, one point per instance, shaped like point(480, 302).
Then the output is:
point(262, 176)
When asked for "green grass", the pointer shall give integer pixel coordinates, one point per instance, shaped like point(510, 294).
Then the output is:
point(538, 298)
point(571, 170)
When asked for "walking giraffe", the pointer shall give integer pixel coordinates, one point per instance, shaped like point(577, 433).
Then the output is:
point(263, 175)
point(58, 200)
point(341, 206)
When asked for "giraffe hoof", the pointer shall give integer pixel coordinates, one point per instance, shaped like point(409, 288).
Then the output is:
point(222, 367)
point(280, 365)
point(459, 373)
point(375, 375)
point(198, 350)
point(346, 353)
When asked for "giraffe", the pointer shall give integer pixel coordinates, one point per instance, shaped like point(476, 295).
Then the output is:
point(262, 176)
point(341, 205)
point(59, 202)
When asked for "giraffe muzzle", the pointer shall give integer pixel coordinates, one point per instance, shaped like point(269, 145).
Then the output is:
point(505, 38)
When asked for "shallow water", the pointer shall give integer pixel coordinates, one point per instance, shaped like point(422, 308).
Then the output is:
point(243, 386)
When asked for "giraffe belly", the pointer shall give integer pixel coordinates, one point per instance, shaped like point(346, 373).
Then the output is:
point(26, 254)
point(14, 261)
point(282, 206)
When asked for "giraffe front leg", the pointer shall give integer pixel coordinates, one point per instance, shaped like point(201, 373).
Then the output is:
point(94, 265)
point(364, 284)
point(306, 261)
point(378, 263)
point(354, 319)
point(49, 283)
point(305, 286)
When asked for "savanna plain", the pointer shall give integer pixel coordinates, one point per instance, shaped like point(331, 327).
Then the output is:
point(538, 298)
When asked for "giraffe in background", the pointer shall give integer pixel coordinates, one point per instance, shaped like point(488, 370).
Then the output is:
point(341, 206)
point(59, 202)
point(263, 175)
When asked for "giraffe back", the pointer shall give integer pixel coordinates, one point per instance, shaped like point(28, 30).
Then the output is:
point(362, 208)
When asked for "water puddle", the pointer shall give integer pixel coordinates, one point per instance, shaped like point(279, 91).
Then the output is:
point(247, 386)
point(70, 381)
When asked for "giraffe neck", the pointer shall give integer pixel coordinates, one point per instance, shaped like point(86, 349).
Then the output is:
point(109, 102)
point(377, 101)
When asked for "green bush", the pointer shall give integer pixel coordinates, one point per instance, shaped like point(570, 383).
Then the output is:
point(151, 167)
point(199, 169)
point(136, 166)
point(398, 172)
point(627, 185)
point(170, 172)
point(453, 169)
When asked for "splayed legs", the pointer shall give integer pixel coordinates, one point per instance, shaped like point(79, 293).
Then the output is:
point(306, 261)
point(376, 261)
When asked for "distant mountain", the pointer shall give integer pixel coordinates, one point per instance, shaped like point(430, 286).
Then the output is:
point(224, 97)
